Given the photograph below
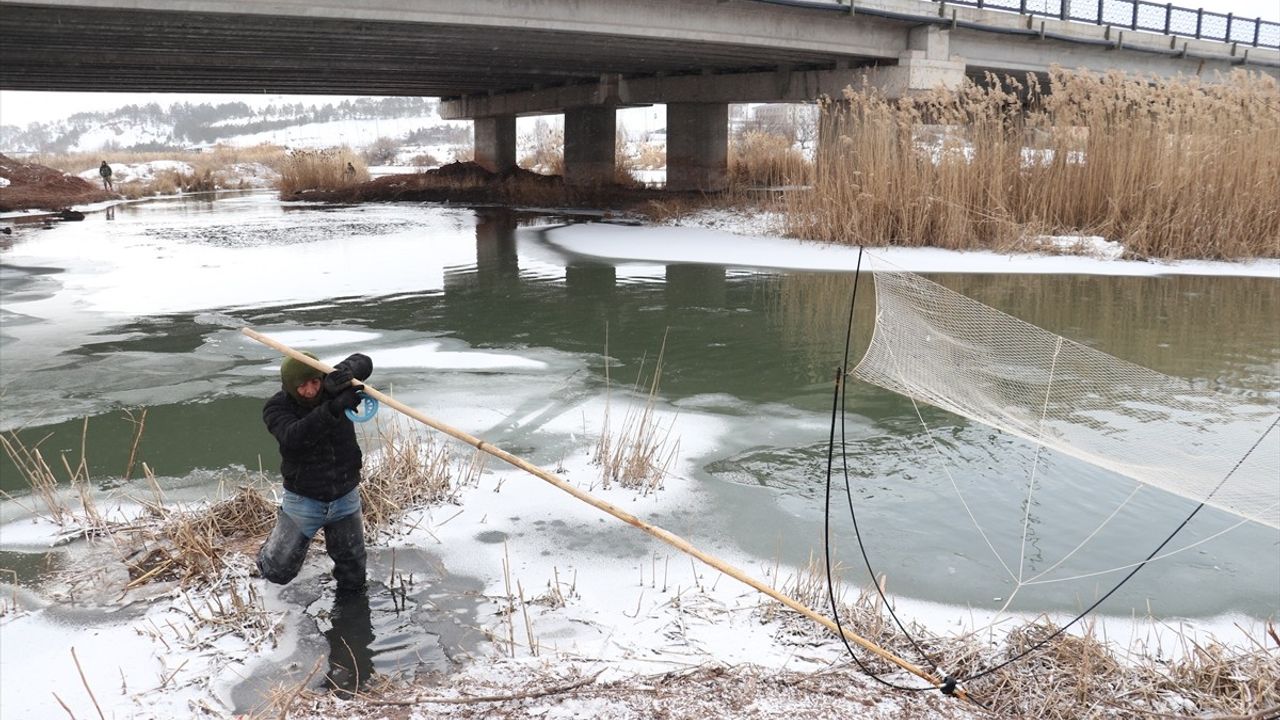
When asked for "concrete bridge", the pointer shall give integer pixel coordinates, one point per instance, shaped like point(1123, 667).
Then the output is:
point(495, 60)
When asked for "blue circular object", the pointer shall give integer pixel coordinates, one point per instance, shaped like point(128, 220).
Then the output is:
point(369, 405)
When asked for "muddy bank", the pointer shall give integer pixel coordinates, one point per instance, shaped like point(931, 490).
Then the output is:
point(469, 183)
point(36, 187)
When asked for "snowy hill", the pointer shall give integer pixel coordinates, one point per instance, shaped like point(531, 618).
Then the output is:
point(357, 123)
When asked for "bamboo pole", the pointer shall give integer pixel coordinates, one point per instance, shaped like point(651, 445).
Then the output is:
point(665, 536)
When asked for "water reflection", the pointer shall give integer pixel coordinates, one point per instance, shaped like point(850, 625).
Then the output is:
point(350, 639)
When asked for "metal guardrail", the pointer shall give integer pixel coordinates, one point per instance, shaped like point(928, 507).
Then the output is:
point(1155, 17)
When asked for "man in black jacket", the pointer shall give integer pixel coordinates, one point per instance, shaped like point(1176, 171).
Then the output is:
point(320, 462)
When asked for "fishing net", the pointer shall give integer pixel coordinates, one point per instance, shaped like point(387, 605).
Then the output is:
point(942, 348)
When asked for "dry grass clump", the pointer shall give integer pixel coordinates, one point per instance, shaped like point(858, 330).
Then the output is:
point(638, 455)
point(193, 544)
point(650, 156)
point(546, 150)
point(1171, 168)
point(411, 470)
point(321, 170)
point(763, 159)
point(1074, 675)
point(54, 503)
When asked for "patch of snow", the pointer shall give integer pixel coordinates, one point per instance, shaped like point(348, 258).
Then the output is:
point(1094, 246)
point(98, 206)
point(10, 214)
point(736, 221)
point(4, 182)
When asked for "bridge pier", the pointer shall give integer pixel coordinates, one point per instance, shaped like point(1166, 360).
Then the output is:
point(590, 138)
point(495, 142)
point(697, 146)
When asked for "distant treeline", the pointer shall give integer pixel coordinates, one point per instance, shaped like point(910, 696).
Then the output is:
point(203, 123)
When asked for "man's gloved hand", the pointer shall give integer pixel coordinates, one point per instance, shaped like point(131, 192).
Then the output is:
point(345, 400)
point(360, 366)
point(337, 381)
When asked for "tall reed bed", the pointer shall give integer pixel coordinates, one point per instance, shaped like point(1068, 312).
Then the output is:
point(1171, 168)
point(321, 170)
point(759, 158)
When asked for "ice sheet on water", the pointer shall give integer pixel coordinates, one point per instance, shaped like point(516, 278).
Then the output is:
point(431, 355)
point(322, 337)
point(218, 319)
point(698, 245)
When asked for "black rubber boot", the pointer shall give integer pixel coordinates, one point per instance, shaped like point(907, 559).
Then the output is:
point(344, 541)
point(281, 556)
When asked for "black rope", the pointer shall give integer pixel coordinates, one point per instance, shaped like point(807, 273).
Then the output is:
point(837, 402)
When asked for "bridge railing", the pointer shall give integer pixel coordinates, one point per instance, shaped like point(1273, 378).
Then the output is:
point(1148, 16)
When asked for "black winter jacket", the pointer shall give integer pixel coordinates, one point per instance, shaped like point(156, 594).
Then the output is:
point(319, 455)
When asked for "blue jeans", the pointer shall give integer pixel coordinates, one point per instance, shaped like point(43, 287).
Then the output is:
point(311, 515)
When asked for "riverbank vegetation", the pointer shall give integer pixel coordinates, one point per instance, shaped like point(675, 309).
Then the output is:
point(150, 173)
point(1172, 168)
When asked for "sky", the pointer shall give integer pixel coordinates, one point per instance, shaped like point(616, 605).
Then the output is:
point(21, 108)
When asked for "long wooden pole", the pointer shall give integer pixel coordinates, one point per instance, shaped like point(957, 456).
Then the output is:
point(669, 538)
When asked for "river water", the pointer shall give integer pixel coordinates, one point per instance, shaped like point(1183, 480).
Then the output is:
point(478, 317)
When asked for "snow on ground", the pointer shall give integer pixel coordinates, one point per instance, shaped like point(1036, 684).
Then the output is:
point(139, 172)
point(698, 245)
point(251, 175)
point(739, 221)
point(164, 652)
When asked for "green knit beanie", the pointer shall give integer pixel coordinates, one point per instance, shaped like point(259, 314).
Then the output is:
point(295, 372)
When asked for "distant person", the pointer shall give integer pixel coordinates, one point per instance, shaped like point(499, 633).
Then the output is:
point(320, 461)
point(350, 172)
point(105, 171)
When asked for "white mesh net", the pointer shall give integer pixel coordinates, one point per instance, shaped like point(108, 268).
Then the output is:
point(944, 349)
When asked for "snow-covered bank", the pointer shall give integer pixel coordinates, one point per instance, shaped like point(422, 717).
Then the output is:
point(720, 246)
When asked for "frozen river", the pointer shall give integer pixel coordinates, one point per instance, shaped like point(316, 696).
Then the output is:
point(498, 323)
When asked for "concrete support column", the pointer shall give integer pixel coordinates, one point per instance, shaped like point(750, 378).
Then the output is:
point(697, 146)
point(590, 134)
point(495, 142)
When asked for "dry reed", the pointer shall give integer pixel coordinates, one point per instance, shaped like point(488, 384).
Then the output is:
point(330, 169)
point(546, 150)
point(638, 455)
point(1073, 675)
point(411, 470)
point(761, 159)
point(649, 156)
point(1171, 168)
